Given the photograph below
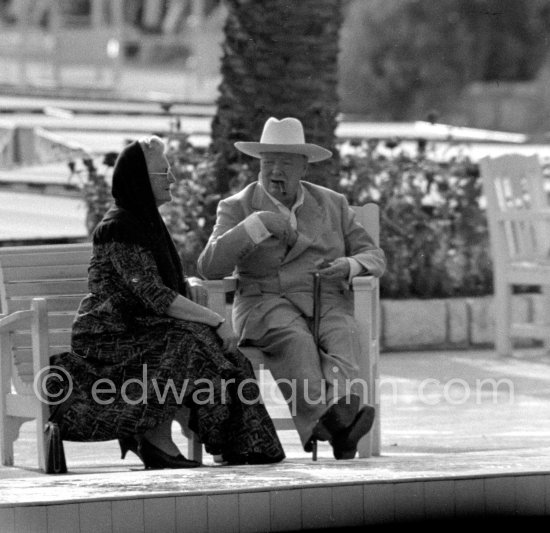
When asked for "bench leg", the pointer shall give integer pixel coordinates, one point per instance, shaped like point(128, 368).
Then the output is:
point(503, 319)
point(374, 395)
point(9, 432)
point(545, 290)
point(41, 421)
point(41, 360)
point(194, 448)
point(364, 448)
point(9, 425)
point(369, 445)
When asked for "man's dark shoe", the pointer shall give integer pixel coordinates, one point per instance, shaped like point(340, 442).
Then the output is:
point(344, 444)
point(341, 414)
point(336, 419)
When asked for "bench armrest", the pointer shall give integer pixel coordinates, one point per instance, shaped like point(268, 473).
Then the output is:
point(364, 283)
point(212, 293)
point(35, 319)
point(15, 320)
point(227, 284)
point(365, 302)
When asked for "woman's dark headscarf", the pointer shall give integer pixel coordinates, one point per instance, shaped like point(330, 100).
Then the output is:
point(135, 217)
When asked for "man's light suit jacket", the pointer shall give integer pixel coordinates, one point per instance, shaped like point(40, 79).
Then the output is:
point(268, 271)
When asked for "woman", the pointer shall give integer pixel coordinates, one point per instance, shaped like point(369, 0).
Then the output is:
point(156, 352)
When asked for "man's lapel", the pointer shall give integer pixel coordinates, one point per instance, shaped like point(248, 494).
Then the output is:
point(309, 216)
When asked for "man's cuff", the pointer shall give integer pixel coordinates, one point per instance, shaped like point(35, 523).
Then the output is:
point(355, 268)
point(255, 228)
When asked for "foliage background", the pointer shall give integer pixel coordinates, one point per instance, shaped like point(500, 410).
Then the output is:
point(433, 226)
point(402, 58)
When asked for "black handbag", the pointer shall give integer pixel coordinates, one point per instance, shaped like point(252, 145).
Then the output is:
point(55, 454)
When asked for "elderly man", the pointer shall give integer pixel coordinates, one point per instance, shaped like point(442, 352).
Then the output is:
point(274, 235)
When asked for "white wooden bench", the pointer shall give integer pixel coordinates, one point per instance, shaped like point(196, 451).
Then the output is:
point(518, 214)
point(40, 289)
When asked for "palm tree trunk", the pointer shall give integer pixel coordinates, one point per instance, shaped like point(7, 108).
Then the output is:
point(279, 59)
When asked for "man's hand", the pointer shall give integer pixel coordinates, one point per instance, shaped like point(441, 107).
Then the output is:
point(279, 226)
point(338, 269)
point(228, 337)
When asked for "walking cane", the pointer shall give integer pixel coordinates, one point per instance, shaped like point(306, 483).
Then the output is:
point(315, 329)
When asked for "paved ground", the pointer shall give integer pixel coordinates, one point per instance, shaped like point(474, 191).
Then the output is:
point(88, 484)
point(434, 405)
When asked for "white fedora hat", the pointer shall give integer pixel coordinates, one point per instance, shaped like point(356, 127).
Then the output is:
point(286, 135)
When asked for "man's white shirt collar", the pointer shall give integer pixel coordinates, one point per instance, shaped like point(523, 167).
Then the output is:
point(291, 213)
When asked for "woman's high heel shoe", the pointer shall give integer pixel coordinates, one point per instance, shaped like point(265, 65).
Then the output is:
point(154, 458)
point(128, 444)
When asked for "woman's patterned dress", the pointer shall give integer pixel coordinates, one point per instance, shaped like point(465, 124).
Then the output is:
point(133, 367)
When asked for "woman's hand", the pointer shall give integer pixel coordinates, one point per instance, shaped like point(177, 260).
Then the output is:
point(228, 337)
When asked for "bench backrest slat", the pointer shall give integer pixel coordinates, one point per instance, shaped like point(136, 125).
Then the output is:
point(44, 259)
point(368, 216)
point(22, 339)
point(24, 355)
point(55, 303)
point(513, 184)
point(44, 273)
point(44, 288)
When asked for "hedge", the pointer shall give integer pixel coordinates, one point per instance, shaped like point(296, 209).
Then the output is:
point(433, 224)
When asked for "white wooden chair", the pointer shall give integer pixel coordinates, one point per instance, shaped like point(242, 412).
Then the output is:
point(518, 215)
point(367, 314)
